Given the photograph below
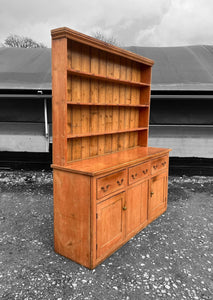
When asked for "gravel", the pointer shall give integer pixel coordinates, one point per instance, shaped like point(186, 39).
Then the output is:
point(172, 258)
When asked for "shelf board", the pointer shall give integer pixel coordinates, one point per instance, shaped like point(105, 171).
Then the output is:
point(108, 104)
point(79, 135)
point(105, 78)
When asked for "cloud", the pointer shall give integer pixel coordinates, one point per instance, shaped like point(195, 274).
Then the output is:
point(186, 22)
point(132, 22)
point(127, 18)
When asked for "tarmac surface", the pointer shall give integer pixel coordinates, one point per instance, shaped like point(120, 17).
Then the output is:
point(172, 258)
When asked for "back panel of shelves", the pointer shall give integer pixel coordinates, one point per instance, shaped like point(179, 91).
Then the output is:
point(107, 102)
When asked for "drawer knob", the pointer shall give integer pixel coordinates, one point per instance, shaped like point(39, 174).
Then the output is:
point(152, 193)
point(145, 171)
point(120, 182)
point(105, 189)
point(155, 167)
point(163, 163)
point(124, 208)
point(134, 176)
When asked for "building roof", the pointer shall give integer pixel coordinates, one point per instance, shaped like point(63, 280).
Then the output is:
point(188, 68)
point(25, 68)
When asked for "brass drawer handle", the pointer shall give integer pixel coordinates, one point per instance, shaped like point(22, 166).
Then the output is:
point(145, 171)
point(105, 189)
point(134, 176)
point(120, 182)
point(163, 163)
point(155, 167)
point(124, 208)
point(152, 193)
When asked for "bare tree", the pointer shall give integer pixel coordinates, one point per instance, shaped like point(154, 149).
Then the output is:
point(110, 40)
point(22, 42)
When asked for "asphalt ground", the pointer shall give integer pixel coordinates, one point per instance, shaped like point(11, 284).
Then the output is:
point(172, 258)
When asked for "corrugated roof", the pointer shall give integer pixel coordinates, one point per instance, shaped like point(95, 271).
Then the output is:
point(187, 68)
point(22, 68)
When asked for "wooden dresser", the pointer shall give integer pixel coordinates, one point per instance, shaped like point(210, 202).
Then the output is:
point(108, 184)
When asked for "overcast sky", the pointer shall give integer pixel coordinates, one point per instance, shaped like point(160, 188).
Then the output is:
point(131, 22)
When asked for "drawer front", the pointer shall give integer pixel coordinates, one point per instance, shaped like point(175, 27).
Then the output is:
point(139, 172)
point(159, 164)
point(110, 183)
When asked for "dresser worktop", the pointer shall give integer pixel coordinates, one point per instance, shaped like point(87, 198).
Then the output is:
point(109, 162)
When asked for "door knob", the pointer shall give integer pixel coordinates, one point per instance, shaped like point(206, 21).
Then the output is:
point(152, 193)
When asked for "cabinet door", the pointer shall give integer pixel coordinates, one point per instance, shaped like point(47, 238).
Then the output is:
point(110, 224)
point(136, 207)
point(158, 196)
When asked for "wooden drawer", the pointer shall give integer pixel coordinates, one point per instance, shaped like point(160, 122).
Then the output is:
point(138, 172)
point(159, 164)
point(110, 183)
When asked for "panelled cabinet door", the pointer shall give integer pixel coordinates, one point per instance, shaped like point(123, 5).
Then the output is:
point(136, 207)
point(110, 224)
point(158, 195)
point(133, 209)
point(144, 201)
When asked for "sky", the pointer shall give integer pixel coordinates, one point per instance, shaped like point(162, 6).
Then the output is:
point(131, 22)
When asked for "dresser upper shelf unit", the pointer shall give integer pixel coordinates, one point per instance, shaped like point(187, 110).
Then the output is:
point(101, 96)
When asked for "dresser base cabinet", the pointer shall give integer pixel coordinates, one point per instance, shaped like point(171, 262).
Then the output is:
point(96, 212)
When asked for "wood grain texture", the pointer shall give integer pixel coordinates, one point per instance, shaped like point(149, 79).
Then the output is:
point(59, 109)
point(86, 98)
point(133, 209)
point(107, 210)
point(108, 184)
point(136, 208)
point(110, 224)
point(139, 172)
point(68, 33)
point(111, 183)
point(104, 95)
point(102, 164)
point(72, 216)
point(158, 196)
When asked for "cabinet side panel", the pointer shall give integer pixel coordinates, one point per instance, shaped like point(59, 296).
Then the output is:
point(59, 91)
point(72, 216)
point(143, 138)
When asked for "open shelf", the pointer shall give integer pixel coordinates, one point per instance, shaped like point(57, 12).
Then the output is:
point(72, 136)
point(108, 104)
point(105, 78)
